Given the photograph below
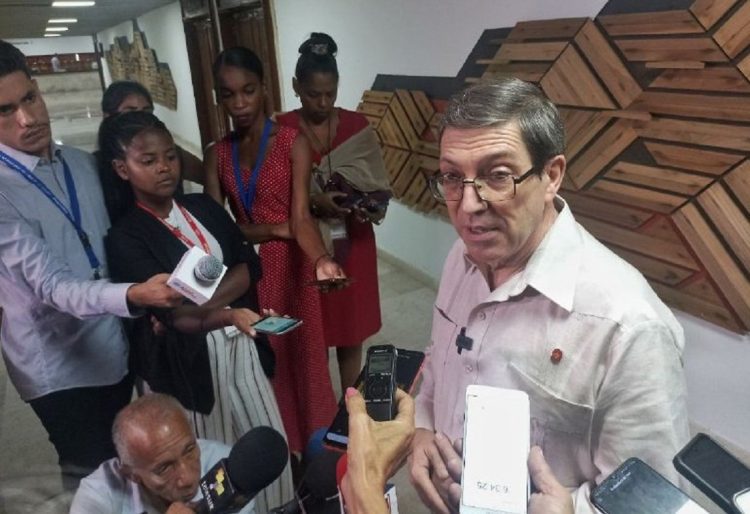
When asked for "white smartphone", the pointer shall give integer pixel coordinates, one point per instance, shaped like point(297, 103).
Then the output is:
point(495, 476)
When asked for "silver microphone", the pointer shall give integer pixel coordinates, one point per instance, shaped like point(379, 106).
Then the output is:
point(208, 269)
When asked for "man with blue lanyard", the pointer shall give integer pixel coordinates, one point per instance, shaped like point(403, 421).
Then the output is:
point(63, 344)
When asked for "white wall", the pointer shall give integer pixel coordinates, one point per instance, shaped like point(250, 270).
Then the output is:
point(165, 34)
point(54, 45)
point(429, 37)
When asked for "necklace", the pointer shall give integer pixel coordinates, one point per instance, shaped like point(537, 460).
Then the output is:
point(315, 140)
point(325, 152)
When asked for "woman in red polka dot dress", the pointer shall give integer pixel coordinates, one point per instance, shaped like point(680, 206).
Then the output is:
point(264, 170)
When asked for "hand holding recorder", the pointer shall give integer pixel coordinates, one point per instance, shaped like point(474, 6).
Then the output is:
point(375, 451)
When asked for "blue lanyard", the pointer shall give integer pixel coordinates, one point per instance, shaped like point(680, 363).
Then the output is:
point(247, 194)
point(73, 214)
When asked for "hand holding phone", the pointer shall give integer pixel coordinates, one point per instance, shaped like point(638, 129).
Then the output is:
point(276, 325)
point(331, 284)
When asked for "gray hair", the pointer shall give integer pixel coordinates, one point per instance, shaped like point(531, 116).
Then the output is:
point(141, 415)
point(498, 102)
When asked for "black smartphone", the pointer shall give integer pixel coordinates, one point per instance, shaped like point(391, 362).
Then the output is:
point(636, 488)
point(716, 472)
point(408, 366)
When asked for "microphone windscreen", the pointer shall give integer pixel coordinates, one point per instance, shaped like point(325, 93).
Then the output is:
point(256, 460)
point(320, 475)
point(208, 268)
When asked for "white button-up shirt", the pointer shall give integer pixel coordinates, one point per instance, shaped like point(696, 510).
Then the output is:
point(55, 334)
point(618, 388)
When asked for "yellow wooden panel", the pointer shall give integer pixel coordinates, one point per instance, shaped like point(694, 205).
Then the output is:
point(709, 12)
point(378, 97)
point(702, 287)
point(671, 49)
point(724, 271)
point(390, 132)
point(691, 158)
point(724, 107)
point(650, 23)
point(630, 240)
point(372, 109)
point(607, 64)
point(394, 159)
point(679, 65)
point(686, 184)
point(603, 210)
point(604, 150)
point(564, 28)
point(654, 269)
point(581, 126)
point(744, 66)
point(415, 116)
point(696, 306)
point(733, 137)
point(570, 82)
point(738, 181)
point(628, 114)
point(405, 177)
point(636, 196)
point(402, 119)
point(428, 148)
point(734, 35)
point(423, 104)
point(729, 220)
point(724, 79)
point(661, 227)
point(374, 120)
point(416, 190)
point(547, 51)
point(529, 71)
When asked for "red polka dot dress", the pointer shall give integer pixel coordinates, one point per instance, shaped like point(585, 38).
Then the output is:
point(302, 382)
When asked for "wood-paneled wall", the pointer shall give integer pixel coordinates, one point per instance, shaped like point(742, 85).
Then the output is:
point(657, 113)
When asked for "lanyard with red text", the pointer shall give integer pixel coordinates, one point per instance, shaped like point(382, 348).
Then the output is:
point(176, 231)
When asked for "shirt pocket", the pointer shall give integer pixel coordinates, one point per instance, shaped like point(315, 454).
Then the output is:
point(561, 427)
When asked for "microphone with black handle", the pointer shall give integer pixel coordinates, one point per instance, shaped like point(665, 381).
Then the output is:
point(255, 461)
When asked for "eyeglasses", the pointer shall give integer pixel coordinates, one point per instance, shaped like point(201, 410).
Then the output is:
point(494, 187)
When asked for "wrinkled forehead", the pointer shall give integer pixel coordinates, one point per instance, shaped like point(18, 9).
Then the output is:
point(148, 446)
point(501, 141)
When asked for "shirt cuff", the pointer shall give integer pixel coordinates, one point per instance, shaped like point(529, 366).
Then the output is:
point(423, 418)
point(115, 299)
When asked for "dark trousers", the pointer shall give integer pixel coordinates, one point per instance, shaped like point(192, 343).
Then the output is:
point(79, 424)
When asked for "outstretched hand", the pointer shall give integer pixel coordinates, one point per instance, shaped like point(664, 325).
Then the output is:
point(375, 451)
point(154, 293)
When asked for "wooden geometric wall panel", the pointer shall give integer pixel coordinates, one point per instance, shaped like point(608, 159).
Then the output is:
point(136, 61)
point(656, 107)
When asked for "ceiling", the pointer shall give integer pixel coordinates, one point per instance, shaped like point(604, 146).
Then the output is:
point(28, 18)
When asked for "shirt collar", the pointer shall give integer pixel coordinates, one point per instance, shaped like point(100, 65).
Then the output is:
point(552, 269)
point(27, 160)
